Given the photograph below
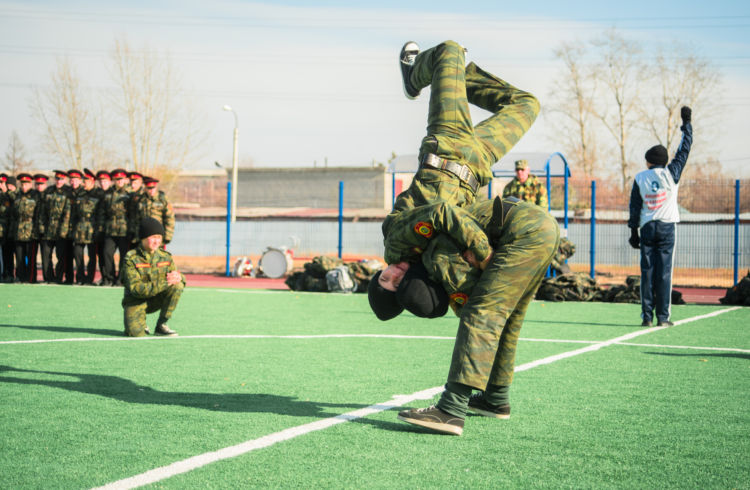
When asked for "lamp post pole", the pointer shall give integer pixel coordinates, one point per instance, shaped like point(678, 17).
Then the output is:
point(234, 163)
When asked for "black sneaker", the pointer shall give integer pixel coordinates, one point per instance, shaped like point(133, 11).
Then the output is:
point(646, 323)
point(406, 58)
point(163, 329)
point(433, 418)
point(479, 405)
point(665, 323)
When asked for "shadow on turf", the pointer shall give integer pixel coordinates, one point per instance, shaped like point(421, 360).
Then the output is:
point(127, 391)
point(50, 328)
point(737, 355)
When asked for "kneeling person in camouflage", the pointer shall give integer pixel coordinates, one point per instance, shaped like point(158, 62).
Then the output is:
point(152, 282)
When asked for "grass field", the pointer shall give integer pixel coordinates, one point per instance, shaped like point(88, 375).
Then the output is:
point(283, 389)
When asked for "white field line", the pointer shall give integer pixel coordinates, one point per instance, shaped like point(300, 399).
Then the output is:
point(694, 347)
point(200, 460)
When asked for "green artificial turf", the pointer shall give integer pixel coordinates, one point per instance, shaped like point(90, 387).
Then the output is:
point(100, 408)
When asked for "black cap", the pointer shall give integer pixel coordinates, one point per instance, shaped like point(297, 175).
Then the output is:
point(421, 295)
point(657, 155)
point(150, 226)
point(383, 302)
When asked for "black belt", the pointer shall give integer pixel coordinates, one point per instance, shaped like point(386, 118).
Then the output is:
point(463, 172)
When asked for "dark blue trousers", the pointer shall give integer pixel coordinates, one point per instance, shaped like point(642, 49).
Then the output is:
point(657, 254)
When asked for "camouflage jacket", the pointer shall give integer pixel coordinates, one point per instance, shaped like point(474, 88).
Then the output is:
point(6, 205)
point(24, 216)
point(410, 232)
point(145, 274)
point(155, 207)
point(444, 261)
point(54, 218)
point(87, 217)
point(116, 206)
point(133, 218)
point(532, 191)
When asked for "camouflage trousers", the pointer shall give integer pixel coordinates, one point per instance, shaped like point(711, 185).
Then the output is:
point(165, 302)
point(485, 348)
point(450, 133)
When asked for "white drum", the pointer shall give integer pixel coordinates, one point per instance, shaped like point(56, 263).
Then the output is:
point(276, 262)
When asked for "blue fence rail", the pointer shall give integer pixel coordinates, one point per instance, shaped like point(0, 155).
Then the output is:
point(715, 246)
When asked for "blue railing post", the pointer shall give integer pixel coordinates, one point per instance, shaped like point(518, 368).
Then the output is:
point(229, 223)
point(592, 252)
point(341, 213)
point(736, 228)
point(489, 189)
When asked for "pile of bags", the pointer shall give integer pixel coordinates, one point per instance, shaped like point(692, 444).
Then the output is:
point(333, 275)
point(739, 294)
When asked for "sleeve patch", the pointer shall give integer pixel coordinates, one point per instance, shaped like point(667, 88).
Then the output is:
point(459, 298)
point(163, 263)
point(424, 229)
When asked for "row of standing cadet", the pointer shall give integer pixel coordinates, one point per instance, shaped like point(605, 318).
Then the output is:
point(81, 219)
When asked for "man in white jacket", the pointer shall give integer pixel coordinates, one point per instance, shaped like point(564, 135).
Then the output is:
point(654, 211)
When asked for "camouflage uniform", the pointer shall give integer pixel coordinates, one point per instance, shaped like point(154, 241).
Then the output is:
point(532, 191)
point(157, 207)
point(144, 276)
point(6, 240)
point(450, 134)
point(25, 232)
point(564, 252)
point(116, 207)
point(54, 228)
point(492, 303)
point(87, 225)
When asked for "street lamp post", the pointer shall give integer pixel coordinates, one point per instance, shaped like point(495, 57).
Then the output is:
point(234, 163)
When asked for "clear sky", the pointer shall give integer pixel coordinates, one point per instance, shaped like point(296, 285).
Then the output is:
point(318, 81)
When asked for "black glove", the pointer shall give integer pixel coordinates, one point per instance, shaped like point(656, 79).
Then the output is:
point(634, 241)
point(686, 113)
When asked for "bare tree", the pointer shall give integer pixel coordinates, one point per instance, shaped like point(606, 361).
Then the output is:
point(618, 71)
point(573, 93)
point(162, 130)
point(64, 117)
point(15, 156)
point(681, 77)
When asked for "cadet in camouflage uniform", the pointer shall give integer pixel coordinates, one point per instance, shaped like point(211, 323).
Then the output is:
point(491, 304)
point(116, 217)
point(136, 191)
point(88, 224)
point(152, 282)
point(455, 157)
point(6, 248)
point(526, 186)
point(103, 187)
point(55, 219)
point(23, 226)
point(153, 203)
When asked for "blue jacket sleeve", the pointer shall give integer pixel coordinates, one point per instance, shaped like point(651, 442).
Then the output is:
point(636, 203)
point(680, 158)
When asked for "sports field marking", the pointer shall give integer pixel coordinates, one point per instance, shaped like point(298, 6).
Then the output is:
point(397, 401)
point(694, 347)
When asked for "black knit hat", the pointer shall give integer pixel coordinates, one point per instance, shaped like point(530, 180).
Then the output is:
point(150, 226)
point(383, 302)
point(657, 155)
point(421, 295)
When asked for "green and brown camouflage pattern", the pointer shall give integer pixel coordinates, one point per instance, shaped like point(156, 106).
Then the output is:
point(144, 277)
point(87, 216)
point(23, 216)
point(450, 133)
point(410, 232)
point(116, 206)
point(494, 301)
point(157, 207)
point(6, 206)
point(531, 191)
point(564, 252)
point(54, 218)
